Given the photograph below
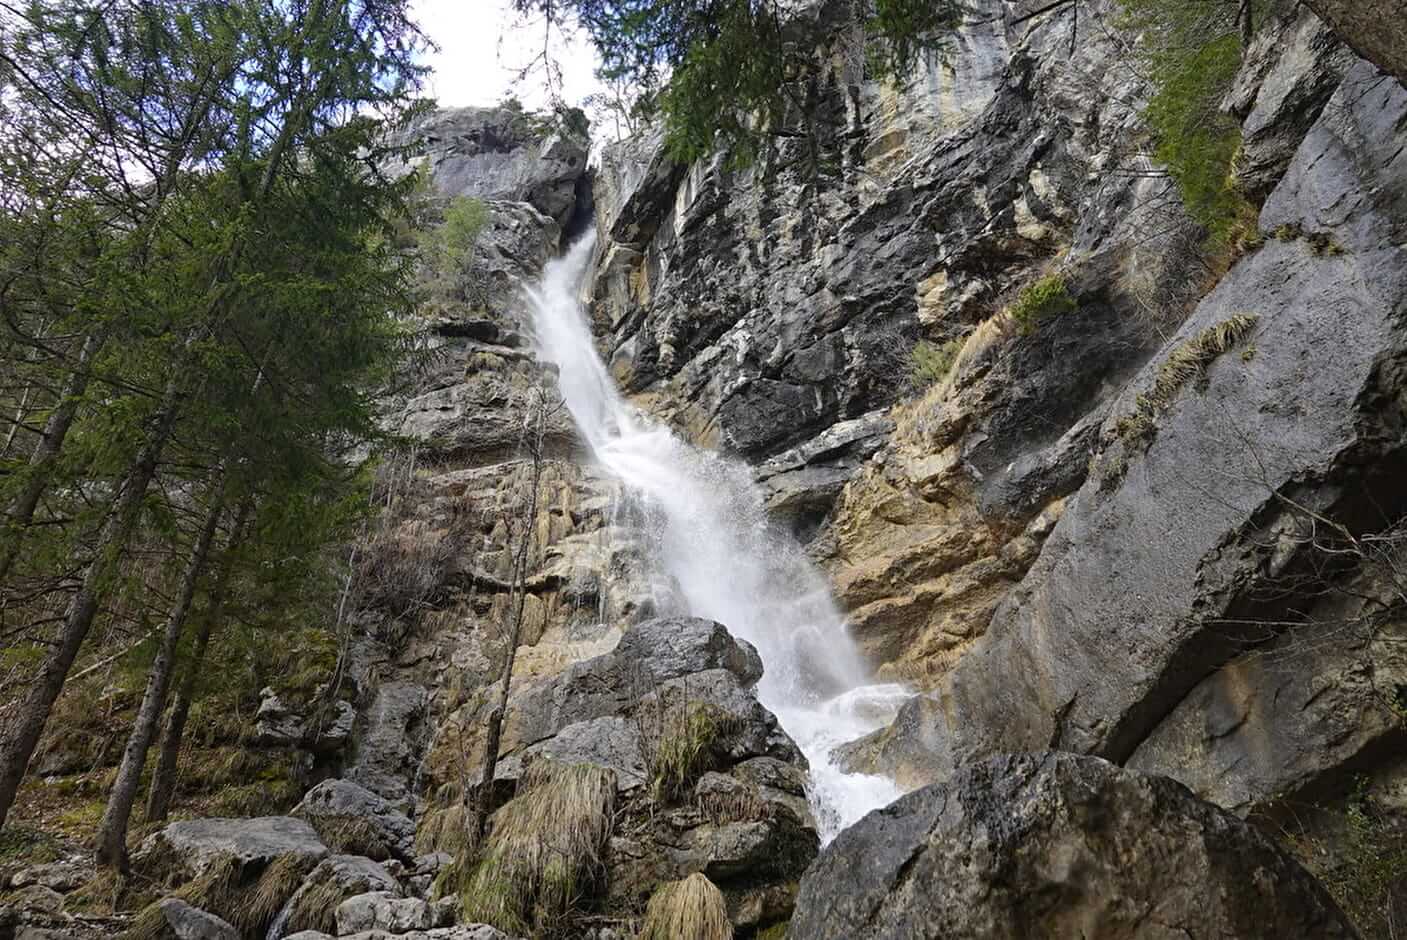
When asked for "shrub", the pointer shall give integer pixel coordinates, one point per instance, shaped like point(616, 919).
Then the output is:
point(1046, 297)
point(681, 747)
point(931, 362)
point(1192, 51)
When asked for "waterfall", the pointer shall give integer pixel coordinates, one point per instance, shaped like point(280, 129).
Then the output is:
point(727, 563)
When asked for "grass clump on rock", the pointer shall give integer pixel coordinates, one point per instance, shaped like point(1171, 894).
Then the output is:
point(931, 362)
point(1186, 362)
point(691, 909)
point(683, 748)
point(1045, 297)
point(543, 854)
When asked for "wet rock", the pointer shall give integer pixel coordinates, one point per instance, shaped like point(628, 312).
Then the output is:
point(1055, 846)
point(356, 820)
point(190, 923)
point(387, 751)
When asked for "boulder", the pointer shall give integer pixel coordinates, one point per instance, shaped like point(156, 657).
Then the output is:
point(335, 879)
point(381, 910)
point(649, 654)
point(196, 843)
point(1055, 846)
point(457, 932)
point(63, 876)
point(352, 819)
point(191, 923)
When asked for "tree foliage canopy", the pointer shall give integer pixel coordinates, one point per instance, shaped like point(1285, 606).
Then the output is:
point(734, 69)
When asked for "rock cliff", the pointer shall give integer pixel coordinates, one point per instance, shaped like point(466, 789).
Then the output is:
point(1155, 526)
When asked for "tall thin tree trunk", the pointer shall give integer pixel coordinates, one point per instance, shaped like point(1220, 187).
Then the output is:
point(112, 830)
point(20, 513)
point(163, 778)
point(22, 736)
point(517, 599)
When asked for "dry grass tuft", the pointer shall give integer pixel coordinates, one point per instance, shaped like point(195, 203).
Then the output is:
point(1185, 363)
point(276, 885)
point(543, 854)
point(740, 804)
point(444, 825)
point(692, 909)
point(315, 907)
point(684, 747)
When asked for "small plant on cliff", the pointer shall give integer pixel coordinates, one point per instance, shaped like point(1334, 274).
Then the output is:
point(691, 909)
point(1360, 864)
point(1191, 51)
point(931, 362)
point(1046, 297)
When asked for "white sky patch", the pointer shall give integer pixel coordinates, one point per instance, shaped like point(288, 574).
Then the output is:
point(483, 46)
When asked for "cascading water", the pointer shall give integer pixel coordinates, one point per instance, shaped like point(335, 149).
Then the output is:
point(727, 563)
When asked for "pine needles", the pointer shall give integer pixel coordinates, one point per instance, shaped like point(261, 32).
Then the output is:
point(543, 853)
point(692, 909)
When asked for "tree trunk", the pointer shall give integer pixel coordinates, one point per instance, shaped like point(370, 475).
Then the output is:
point(112, 831)
point(517, 600)
point(24, 731)
point(20, 513)
point(163, 778)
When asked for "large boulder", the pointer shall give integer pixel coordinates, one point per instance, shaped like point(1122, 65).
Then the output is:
point(351, 818)
point(196, 844)
point(1058, 846)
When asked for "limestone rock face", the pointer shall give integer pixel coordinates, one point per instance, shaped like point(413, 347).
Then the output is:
point(1194, 539)
point(501, 153)
point(1056, 846)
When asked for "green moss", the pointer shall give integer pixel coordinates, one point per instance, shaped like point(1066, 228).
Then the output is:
point(19, 845)
point(1046, 297)
point(931, 362)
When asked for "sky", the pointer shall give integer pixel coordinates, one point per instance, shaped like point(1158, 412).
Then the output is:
point(483, 44)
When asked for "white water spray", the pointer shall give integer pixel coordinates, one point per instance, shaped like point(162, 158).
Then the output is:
point(728, 564)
